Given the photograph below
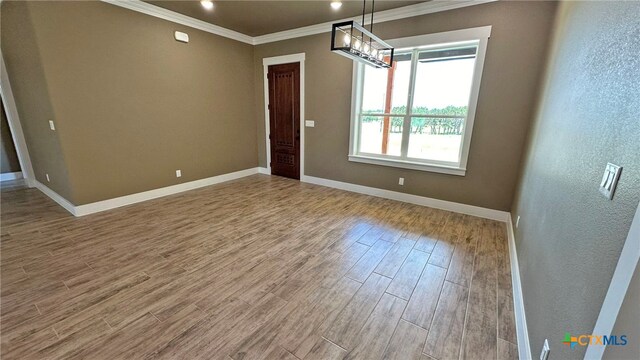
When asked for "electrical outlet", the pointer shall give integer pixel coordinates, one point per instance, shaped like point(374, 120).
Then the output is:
point(178, 173)
point(544, 355)
point(517, 221)
point(47, 175)
point(52, 126)
point(401, 181)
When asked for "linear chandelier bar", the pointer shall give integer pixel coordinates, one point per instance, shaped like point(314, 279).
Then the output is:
point(352, 40)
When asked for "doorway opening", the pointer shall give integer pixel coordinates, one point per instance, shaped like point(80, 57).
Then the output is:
point(9, 164)
point(15, 129)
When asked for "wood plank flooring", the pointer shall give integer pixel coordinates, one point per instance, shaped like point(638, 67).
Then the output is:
point(258, 268)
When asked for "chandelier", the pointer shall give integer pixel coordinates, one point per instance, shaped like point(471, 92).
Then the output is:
point(352, 40)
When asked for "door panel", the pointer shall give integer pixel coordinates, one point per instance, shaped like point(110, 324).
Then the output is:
point(284, 119)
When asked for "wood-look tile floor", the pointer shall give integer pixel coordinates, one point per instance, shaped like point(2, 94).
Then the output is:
point(258, 268)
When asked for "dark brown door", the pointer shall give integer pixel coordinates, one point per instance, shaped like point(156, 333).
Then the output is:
point(284, 119)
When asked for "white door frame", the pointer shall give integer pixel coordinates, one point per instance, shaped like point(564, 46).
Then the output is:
point(277, 60)
point(14, 125)
point(618, 287)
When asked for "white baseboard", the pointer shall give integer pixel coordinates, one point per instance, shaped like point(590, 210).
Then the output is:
point(413, 199)
point(263, 170)
point(156, 193)
point(524, 348)
point(11, 176)
point(109, 204)
point(56, 197)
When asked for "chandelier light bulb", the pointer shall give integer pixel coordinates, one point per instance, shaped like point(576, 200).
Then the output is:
point(366, 48)
point(356, 45)
point(347, 39)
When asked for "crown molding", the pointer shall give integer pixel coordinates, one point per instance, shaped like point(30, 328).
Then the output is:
point(146, 8)
point(379, 17)
point(428, 7)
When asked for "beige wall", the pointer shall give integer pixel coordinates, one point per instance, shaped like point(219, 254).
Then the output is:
point(131, 104)
point(570, 236)
point(19, 43)
point(8, 156)
point(513, 67)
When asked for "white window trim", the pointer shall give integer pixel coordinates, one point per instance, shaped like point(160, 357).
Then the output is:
point(480, 34)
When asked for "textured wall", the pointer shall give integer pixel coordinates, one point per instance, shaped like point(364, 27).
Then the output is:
point(131, 104)
point(513, 67)
point(8, 156)
point(570, 236)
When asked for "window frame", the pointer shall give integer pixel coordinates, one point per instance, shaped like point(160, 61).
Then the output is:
point(415, 44)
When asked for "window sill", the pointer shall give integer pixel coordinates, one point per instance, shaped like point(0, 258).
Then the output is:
point(409, 165)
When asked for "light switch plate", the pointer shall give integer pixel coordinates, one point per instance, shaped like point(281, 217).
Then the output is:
point(309, 123)
point(610, 180)
point(52, 126)
point(178, 173)
point(544, 355)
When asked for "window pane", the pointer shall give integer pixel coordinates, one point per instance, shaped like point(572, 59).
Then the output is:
point(443, 86)
point(401, 78)
point(374, 90)
point(443, 81)
point(436, 138)
point(374, 98)
point(372, 135)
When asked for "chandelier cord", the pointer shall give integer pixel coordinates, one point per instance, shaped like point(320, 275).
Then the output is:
point(364, 4)
point(373, 5)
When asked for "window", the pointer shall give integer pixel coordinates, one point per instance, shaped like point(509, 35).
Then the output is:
point(419, 113)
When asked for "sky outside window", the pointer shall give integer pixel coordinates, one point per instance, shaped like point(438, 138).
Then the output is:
point(438, 84)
